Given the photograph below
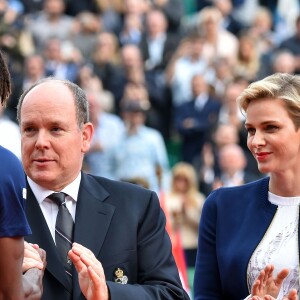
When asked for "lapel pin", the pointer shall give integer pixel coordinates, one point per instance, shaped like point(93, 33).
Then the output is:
point(120, 277)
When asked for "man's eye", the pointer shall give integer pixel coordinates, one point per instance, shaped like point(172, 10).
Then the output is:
point(28, 129)
point(56, 129)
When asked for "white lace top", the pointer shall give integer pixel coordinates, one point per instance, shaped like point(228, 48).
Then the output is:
point(279, 246)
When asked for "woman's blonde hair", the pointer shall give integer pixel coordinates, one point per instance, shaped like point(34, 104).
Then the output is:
point(283, 86)
point(187, 171)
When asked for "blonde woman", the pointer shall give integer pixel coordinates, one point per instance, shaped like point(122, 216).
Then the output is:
point(249, 234)
point(184, 204)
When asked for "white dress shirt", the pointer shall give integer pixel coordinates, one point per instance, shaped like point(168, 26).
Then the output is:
point(200, 101)
point(49, 208)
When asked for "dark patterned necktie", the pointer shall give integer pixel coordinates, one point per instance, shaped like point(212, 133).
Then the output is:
point(63, 231)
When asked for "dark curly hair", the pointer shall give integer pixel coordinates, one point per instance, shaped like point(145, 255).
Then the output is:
point(5, 83)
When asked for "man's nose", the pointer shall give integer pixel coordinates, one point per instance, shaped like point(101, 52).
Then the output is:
point(42, 139)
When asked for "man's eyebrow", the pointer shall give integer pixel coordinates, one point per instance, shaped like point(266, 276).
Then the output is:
point(26, 123)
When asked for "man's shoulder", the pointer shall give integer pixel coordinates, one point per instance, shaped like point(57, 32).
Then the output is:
point(124, 195)
point(116, 186)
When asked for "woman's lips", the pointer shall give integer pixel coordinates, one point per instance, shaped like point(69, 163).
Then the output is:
point(262, 155)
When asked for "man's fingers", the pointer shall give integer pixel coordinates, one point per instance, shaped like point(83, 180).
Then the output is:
point(34, 257)
point(29, 263)
point(79, 265)
point(42, 254)
point(94, 263)
point(99, 283)
point(79, 249)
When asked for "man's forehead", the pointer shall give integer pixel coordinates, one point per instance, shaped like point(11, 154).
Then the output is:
point(55, 92)
point(49, 85)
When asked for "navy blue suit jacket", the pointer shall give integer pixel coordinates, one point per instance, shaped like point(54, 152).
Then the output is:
point(123, 225)
point(233, 222)
point(193, 138)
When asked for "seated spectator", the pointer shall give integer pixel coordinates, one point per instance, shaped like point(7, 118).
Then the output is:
point(108, 129)
point(32, 6)
point(284, 62)
point(187, 61)
point(87, 79)
point(157, 44)
point(206, 163)
point(52, 22)
point(33, 70)
point(173, 10)
point(133, 75)
point(136, 7)
point(84, 35)
point(12, 36)
point(105, 61)
point(143, 152)
point(131, 32)
point(229, 112)
point(278, 60)
point(232, 162)
point(223, 75)
point(261, 30)
point(62, 59)
point(91, 84)
point(215, 37)
point(248, 58)
point(184, 204)
point(291, 44)
point(229, 21)
point(195, 120)
point(137, 92)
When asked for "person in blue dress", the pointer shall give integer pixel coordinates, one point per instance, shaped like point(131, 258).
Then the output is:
point(19, 279)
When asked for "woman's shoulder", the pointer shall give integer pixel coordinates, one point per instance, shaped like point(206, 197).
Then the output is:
point(253, 185)
point(242, 193)
point(237, 202)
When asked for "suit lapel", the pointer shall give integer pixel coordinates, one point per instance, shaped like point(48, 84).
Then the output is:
point(42, 236)
point(93, 217)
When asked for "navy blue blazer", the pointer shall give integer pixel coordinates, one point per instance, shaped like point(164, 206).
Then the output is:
point(233, 222)
point(123, 225)
point(193, 138)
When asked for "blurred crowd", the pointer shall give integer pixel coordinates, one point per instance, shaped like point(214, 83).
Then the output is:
point(162, 78)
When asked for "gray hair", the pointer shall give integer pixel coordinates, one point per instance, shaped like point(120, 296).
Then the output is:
point(80, 99)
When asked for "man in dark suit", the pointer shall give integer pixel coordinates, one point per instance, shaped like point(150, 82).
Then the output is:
point(196, 119)
point(121, 224)
point(157, 44)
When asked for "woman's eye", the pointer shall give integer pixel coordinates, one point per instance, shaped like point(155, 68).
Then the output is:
point(271, 128)
point(250, 131)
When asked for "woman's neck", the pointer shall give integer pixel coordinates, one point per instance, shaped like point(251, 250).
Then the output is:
point(284, 185)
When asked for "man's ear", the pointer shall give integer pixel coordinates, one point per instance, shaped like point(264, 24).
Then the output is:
point(87, 135)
